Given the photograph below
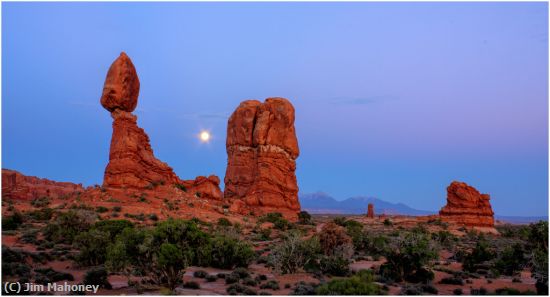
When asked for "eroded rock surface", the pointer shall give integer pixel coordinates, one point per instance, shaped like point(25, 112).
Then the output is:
point(466, 206)
point(370, 211)
point(262, 149)
point(21, 187)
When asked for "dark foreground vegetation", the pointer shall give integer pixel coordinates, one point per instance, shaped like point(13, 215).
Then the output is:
point(154, 255)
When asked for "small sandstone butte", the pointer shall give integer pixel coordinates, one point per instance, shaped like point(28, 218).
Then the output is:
point(466, 206)
point(20, 187)
point(121, 88)
point(261, 158)
point(370, 211)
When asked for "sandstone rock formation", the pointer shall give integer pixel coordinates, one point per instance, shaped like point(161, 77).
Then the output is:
point(370, 211)
point(262, 149)
point(466, 206)
point(20, 187)
point(132, 163)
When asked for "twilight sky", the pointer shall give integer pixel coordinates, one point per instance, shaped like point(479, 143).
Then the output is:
point(393, 100)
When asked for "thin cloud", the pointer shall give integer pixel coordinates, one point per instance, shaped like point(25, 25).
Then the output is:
point(361, 101)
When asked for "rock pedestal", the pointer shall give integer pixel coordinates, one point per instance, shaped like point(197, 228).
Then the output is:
point(370, 211)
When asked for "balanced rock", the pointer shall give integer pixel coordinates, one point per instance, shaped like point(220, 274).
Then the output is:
point(466, 206)
point(262, 149)
point(132, 163)
point(21, 187)
point(121, 88)
point(370, 211)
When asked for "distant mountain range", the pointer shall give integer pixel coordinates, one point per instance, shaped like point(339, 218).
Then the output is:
point(322, 203)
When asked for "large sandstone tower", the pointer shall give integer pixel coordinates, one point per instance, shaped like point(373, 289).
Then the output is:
point(261, 158)
point(466, 206)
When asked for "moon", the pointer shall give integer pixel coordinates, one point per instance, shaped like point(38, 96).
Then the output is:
point(204, 136)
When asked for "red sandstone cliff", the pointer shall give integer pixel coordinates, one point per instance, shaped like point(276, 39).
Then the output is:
point(20, 187)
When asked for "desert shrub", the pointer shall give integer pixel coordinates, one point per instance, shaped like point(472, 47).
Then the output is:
point(231, 278)
point(241, 272)
point(510, 260)
point(221, 275)
point(101, 209)
point(261, 277)
point(235, 289)
point(172, 263)
point(68, 225)
point(331, 237)
point(223, 222)
point(507, 291)
point(445, 238)
point(29, 236)
point(277, 219)
point(227, 252)
point(44, 214)
point(538, 243)
point(480, 291)
point(117, 208)
point(200, 274)
point(272, 284)
point(181, 187)
point(265, 234)
point(453, 280)
point(294, 253)
point(359, 284)
point(113, 227)
point(479, 255)
point(12, 222)
point(14, 263)
point(40, 202)
point(335, 265)
point(407, 257)
point(418, 289)
point(191, 285)
point(211, 278)
point(97, 276)
point(457, 291)
point(48, 275)
point(92, 246)
point(250, 282)
point(388, 222)
point(303, 288)
point(153, 217)
point(304, 218)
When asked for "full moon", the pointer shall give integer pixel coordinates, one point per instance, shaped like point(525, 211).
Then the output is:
point(204, 136)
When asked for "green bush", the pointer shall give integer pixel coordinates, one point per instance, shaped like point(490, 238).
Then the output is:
point(12, 222)
point(407, 257)
point(304, 218)
point(48, 275)
point(97, 276)
point(479, 255)
point(68, 225)
point(40, 202)
point(211, 278)
point(510, 260)
point(92, 246)
point(223, 222)
point(272, 284)
point(277, 219)
point(172, 263)
point(228, 253)
point(101, 209)
point(191, 285)
point(200, 274)
point(359, 284)
point(335, 265)
point(294, 253)
point(44, 214)
point(113, 227)
point(457, 291)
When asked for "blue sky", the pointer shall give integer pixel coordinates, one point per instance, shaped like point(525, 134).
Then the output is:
point(393, 100)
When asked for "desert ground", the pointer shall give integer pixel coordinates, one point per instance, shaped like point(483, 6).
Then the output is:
point(130, 250)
